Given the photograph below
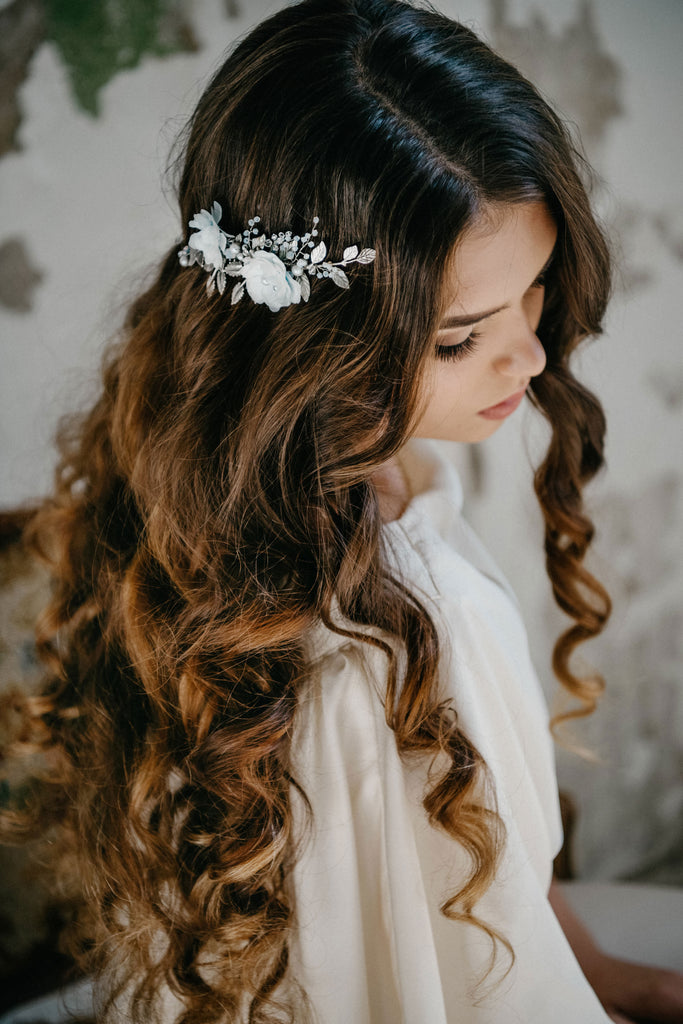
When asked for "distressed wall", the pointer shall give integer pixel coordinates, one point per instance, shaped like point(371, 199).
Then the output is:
point(88, 111)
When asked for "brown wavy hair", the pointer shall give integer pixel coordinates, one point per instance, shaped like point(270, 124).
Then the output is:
point(217, 501)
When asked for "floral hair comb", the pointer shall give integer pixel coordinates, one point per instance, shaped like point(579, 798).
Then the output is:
point(275, 270)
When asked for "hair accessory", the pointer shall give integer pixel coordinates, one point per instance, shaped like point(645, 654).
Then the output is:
point(275, 270)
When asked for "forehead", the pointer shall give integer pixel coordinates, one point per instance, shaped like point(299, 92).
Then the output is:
point(499, 257)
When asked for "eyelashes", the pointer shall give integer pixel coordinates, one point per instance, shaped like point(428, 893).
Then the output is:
point(451, 353)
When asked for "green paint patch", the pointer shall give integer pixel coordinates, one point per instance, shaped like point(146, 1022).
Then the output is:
point(99, 38)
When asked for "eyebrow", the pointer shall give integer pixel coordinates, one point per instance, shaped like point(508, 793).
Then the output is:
point(473, 318)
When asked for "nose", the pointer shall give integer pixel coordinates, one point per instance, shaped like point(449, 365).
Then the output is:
point(523, 355)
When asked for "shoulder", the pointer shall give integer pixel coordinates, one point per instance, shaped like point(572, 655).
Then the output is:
point(350, 673)
point(342, 748)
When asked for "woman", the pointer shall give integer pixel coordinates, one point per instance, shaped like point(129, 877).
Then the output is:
point(295, 753)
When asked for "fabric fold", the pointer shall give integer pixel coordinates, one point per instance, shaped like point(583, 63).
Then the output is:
point(371, 945)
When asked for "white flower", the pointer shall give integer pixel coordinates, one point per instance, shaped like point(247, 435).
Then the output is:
point(276, 271)
point(209, 239)
point(268, 280)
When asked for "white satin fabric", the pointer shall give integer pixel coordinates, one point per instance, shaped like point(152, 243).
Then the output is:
point(371, 946)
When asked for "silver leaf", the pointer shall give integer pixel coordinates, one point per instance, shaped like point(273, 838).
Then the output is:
point(339, 277)
point(305, 287)
point(211, 285)
point(366, 256)
point(237, 293)
point(319, 253)
point(220, 281)
point(350, 253)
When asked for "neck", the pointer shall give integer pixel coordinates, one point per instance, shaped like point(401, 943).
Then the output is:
point(393, 490)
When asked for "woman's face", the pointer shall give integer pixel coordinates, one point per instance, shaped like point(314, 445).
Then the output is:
point(487, 348)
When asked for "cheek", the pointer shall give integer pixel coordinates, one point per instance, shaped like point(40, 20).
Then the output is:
point(461, 385)
point(534, 307)
point(433, 395)
point(453, 388)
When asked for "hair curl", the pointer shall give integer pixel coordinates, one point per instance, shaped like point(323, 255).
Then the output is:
point(217, 499)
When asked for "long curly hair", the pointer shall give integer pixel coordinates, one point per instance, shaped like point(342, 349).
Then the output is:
point(216, 502)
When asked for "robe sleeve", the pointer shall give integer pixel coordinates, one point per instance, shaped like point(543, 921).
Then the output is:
point(370, 944)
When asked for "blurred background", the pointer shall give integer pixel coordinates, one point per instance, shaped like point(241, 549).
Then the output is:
point(92, 95)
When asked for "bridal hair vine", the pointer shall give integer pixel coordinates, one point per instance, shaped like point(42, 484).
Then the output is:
point(275, 270)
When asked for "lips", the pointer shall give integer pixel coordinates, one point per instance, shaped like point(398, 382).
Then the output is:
point(504, 408)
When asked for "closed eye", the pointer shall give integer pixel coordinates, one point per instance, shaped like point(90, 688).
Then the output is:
point(463, 348)
point(468, 345)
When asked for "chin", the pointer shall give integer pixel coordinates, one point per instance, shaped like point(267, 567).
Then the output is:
point(470, 434)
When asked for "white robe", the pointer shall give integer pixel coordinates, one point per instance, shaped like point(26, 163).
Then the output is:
point(371, 946)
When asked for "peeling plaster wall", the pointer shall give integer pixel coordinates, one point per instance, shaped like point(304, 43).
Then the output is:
point(83, 214)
